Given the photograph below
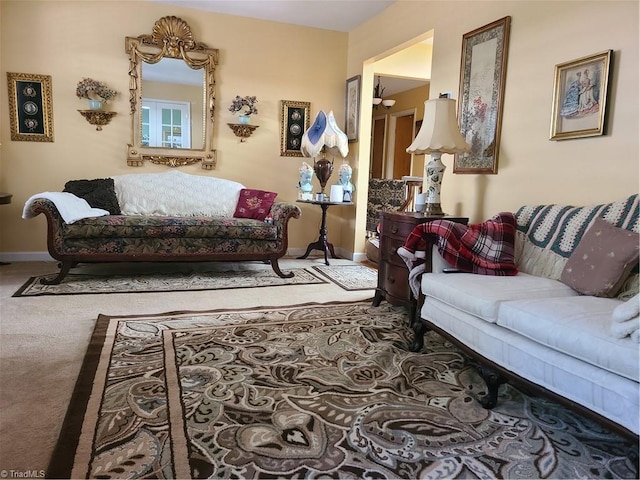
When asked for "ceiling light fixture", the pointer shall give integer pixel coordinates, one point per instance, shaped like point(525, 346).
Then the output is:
point(377, 97)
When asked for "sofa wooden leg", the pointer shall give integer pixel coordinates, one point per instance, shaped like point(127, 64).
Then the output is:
point(419, 329)
point(493, 380)
point(64, 270)
point(276, 268)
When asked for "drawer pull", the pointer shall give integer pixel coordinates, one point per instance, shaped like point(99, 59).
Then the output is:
point(394, 229)
point(391, 279)
point(393, 250)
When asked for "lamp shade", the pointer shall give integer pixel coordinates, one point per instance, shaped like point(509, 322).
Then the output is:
point(324, 133)
point(439, 131)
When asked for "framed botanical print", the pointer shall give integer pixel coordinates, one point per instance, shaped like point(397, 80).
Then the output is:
point(352, 108)
point(30, 107)
point(580, 97)
point(294, 121)
point(483, 69)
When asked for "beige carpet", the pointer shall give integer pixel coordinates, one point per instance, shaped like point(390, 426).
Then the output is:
point(43, 341)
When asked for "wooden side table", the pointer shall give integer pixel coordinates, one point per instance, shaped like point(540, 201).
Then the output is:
point(393, 274)
point(322, 243)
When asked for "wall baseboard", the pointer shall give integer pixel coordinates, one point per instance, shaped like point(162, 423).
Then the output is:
point(26, 257)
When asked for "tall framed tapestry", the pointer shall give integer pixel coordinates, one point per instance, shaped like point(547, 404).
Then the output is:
point(30, 107)
point(483, 69)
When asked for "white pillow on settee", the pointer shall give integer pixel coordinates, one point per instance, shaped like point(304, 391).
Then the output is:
point(176, 194)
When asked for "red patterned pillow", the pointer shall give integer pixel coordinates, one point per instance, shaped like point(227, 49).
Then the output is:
point(254, 203)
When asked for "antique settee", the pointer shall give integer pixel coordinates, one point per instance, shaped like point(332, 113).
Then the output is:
point(564, 323)
point(162, 217)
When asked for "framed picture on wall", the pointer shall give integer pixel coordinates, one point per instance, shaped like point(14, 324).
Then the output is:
point(483, 69)
point(580, 97)
point(30, 107)
point(294, 121)
point(352, 108)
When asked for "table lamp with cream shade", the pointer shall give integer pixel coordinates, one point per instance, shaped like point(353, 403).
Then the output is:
point(438, 134)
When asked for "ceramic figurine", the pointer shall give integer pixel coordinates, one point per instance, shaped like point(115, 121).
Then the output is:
point(305, 186)
point(345, 173)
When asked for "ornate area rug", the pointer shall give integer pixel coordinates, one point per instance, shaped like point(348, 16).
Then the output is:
point(313, 391)
point(350, 277)
point(78, 284)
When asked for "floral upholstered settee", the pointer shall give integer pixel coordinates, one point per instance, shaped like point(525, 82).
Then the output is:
point(165, 217)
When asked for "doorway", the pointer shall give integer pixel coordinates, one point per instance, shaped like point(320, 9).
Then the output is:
point(403, 136)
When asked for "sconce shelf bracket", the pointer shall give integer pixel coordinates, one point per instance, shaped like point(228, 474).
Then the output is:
point(99, 118)
point(242, 130)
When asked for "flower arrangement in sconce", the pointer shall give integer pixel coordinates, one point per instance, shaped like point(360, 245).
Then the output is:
point(244, 105)
point(94, 90)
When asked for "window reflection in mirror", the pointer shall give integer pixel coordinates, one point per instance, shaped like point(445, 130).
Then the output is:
point(173, 105)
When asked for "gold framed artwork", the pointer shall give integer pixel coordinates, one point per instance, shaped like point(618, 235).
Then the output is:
point(294, 121)
point(580, 89)
point(30, 107)
point(352, 108)
point(483, 69)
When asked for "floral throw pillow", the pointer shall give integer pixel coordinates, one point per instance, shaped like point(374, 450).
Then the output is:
point(254, 204)
point(602, 260)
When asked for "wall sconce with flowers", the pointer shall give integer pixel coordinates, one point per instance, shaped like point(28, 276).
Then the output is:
point(244, 107)
point(97, 93)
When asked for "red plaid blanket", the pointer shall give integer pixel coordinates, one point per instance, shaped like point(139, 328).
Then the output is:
point(485, 248)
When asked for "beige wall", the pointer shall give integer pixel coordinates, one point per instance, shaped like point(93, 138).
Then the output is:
point(70, 40)
point(276, 61)
point(532, 169)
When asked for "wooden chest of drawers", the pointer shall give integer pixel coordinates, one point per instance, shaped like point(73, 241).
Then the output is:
point(393, 274)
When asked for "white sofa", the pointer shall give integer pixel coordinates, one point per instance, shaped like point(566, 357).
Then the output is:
point(535, 328)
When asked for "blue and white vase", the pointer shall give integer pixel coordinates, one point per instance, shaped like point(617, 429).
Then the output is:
point(244, 119)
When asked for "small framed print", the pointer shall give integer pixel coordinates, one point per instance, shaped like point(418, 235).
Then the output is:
point(580, 97)
point(294, 121)
point(30, 107)
point(352, 108)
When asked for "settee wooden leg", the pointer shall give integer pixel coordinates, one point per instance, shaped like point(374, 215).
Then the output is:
point(64, 270)
point(493, 380)
point(276, 268)
point(419, 329)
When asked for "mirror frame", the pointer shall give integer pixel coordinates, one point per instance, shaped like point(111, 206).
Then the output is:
point(171, 37)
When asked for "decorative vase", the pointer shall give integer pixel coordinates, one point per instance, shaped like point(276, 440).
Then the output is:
point(244, 119)
point(95, 104)
point(323, 169)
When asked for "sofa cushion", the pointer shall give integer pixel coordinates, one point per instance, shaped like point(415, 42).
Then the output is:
point(254, 204)
point(149, 227)
point(602, 260)
point(176, 194)
point(481, 295)
point(577, 326)
point(99, 193)
point(606, 393)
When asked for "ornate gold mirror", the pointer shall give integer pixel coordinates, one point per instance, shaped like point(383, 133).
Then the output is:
point(172, 98)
